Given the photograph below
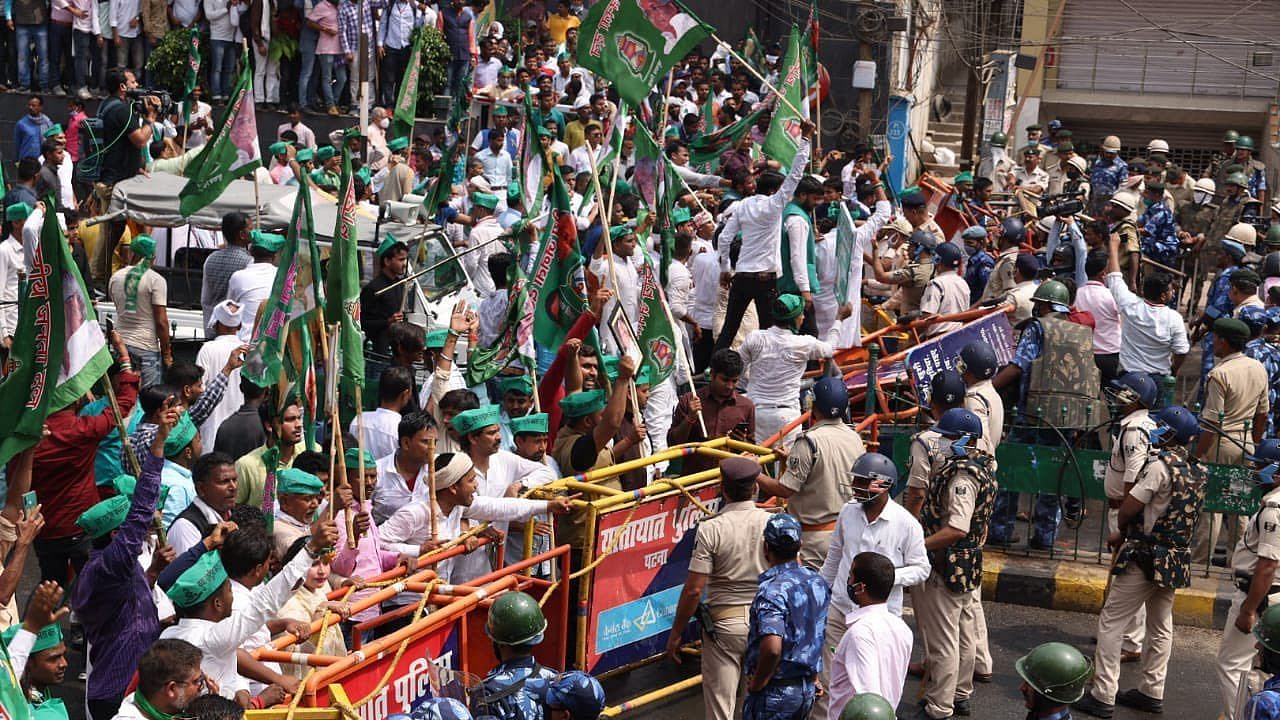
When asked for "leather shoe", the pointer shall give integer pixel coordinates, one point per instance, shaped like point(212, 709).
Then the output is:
point(1130, 656)
point(960, 706)
point(982, 677)
point(1138, 700)
point(1089, 705)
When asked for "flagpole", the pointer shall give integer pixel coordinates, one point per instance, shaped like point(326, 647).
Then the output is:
point(431, 484)
point(360, 437)
point(120, 427)
point(533, 376)
point(682, 354)
point(764, 83)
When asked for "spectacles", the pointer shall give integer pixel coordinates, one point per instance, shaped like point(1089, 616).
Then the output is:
point(200, 681)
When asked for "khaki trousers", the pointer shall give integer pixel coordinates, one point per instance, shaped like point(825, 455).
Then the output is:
point(813, 549)
point(1135, 631)
point(975, 620)
point(1236, 655)
point(723, 682)
point(1130, 590)
point(836, 629)
point(947, 645)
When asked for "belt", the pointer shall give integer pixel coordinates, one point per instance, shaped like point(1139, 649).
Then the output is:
point(1244, 581)
point(729, 612)
point(758, 275)
point(818, 527)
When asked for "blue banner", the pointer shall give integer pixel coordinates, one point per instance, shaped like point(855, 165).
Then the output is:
point(929, 358)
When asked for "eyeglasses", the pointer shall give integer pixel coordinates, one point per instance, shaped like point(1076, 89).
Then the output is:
point(200, 681)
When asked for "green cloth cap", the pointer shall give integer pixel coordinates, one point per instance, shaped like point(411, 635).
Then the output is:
point(436, 339)
point(104, 517)
point(199, 581)
point(519, 384)
point(791, 305)
point(54, 129)
point(579, 404)
point(180, 436)
point(644, 376)
point(545, 132)
point(143, 246)
point(531, 424)
point(484, 200)
point(620, 231)
point(469, 421)
point(609, 364)
point(1231, 328)
point(352, 459)
point(681, 215)
point(124, 484)
point(351, 133)
point(513, 191)
point(17, 211)
point(501, 110)
point(365, 176)
point(271, 242)
point(49, 637)
point(305, 155)
point(325, 153)
point(399, 143)
point(389, 243)
point(298, 482)
point(964, 177)
point(279, 148)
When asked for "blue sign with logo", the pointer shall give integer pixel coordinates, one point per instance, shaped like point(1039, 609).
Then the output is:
point(639, 619)
point(929, 358)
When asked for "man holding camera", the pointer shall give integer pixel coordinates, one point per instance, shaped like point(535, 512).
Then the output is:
point(126, 131)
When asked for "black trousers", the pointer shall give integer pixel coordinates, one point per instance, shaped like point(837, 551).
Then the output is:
point(393, 65)
point(57, 557)
point(747, 288)
point(104, 709)
point(702, 349)
point(1108, 367)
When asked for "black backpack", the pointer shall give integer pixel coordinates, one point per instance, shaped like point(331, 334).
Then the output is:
point(92, 135)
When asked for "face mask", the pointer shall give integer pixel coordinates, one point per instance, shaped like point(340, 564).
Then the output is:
point(1157, 434)
point(1265, 475)
point(1202, 198)
point(959, 446)
point(384, 123)
point(851, 589)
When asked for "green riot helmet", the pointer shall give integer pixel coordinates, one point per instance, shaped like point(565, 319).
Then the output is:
point(515, 619)
point(867, 706)
point(1056, 671)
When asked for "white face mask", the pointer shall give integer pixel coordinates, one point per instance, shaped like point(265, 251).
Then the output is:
point(384, 123)
point(1202, 197)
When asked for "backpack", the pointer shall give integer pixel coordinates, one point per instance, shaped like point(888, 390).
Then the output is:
point(92, 135)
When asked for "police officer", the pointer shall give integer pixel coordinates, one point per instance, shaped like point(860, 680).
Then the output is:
point(947, 293)
point(726, 563)
point(573, 695)
point(1265, 705)
point(1054, 675)
point(1254, 171)
point(997, 163)
point(1002, 281)
point(784, 643)
point(912, 278)
point(1234, 196)
point(915, 208)
point(813, 483)
point(1119, 214)
point(515, 625)
point(960, 498)
point(946, 391)
point(1254, 564)
point(1216, 170)
point(438, 709)
point(867, 706)
point(1153, 559)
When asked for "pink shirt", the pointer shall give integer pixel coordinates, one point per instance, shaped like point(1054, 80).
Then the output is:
point(366, 560)
point(1096, 298)
point(73, 134)
point(325, 14)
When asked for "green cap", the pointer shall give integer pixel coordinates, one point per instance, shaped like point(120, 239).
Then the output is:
point(609, 364)
point(351, 133)
point(1056, 671)
point(620, 231)
point(469, 421)
point(791, 306)
point(1231, 329)
point(501, 110)
point(1267, 628)
point(389, 243)
point(305, 155)
point(199, 581)
point(325, 153)
point(365, 176)
point(180, 436)
point(964, 177)
point(532, 424)
point(143, 246)
point(1031, 150)
point(352, 459)
point(271, 242)
point(484, 200)
point(18, 211)
point(398, 144)
point(519, 384)
point(515, 619)
point(513, 191)
point(645, 375)
point(49, 637)
point(279, 148)
point(681, 215)
point(436, 339)
point(54, 129)
point(124, 484)
point(298, 482)
point(576, 405)
point(104, 517)
point(545, 132)
point(1236, 178)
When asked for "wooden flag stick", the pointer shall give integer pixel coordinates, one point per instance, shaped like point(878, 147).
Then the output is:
point(431, 485)
point(533, 377)
point(360, 440)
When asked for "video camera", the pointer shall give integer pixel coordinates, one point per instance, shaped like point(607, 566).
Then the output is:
point(165, 104)
point(1060, 205)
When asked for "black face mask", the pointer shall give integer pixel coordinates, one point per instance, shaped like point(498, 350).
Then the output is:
point(851, 588)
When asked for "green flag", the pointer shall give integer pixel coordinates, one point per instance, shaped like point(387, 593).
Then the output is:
point(230, 153)
point(653, 325)
point(342, 283)
point(13, 700)
point(845, 239)
point(192, 76)
point(406, 109)
point(558, 288)
point(633, 43)
point(485, 363)
point(784, 137)
point(535, 166)
point(650, 166)
point(708, 147)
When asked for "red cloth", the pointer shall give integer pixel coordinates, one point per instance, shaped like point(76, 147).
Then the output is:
point(551, 386)
point(1082, 317)
point(62, 473)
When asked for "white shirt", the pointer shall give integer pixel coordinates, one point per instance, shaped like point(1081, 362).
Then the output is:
point(775, 359)
point(248, 288)
point(628, 293)
point(706, 286)
point(212, 358)
point(1152, 333)
point(183, 535)
point(185, 11)
point(505, 469)
point(381, 431)
point(497, 167)
point(240, 601)
point(797, 229)
point(392, 492)
point(306, 136)
point(219, 641)
point(11, 266)
point(477, 262)
point(580, 158)
point(759, 219)
point(895, 534)
point(129, 711)
point(1095, 298)
point(679, 289)
point(411, 526)
point(124, 11)
point(695, 179)
point(224, 20)
point(872, 656)
point(485, 73)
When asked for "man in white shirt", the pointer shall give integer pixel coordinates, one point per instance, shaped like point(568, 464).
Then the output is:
point(382, 424)
point(496, 162)
point(306, 136)
point(583, 159)
point(214, 477)
point(402, 475)
point(377, 134)
point(775, 359)
point(947, 293)
point(483, 238)
point(12, 266)
point(1029, 175)
point(1155, 335)
point(247, 288)
point(169, 677)
point(621, 275)
point(759, 219)
point(873, 655)
point(212, 358)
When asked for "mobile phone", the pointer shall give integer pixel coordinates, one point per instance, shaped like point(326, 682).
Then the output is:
point(741, 428)
point(28, 502)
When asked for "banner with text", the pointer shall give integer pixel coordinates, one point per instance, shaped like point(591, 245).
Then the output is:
point(929, 358)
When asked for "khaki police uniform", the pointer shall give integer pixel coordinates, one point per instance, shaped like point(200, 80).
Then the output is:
point(816, 474)
point(1128, 455)
point(726, 548)
point(1002, 280)
point(1171, 491)
point(982, 399)
point(911, 280)
point(1235, 391)
point(1236, 653)
point(933, 227)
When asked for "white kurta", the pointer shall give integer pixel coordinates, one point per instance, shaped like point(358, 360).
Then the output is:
point(212, 358)
point(392, 492)
point(628, 293)
point(411, 526)
point(381, 431)
point(248, 288)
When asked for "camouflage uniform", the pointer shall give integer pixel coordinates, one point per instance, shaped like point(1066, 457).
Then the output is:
point(792, 604)
point(961, 495)
point(1104, 179)
point(1160, 234)
point(1154, 561)
point(1227, 214)
point(1217, 305)
point(1236, 653)
point(505, 693)
point(1269, 355)
point(1266, 704)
